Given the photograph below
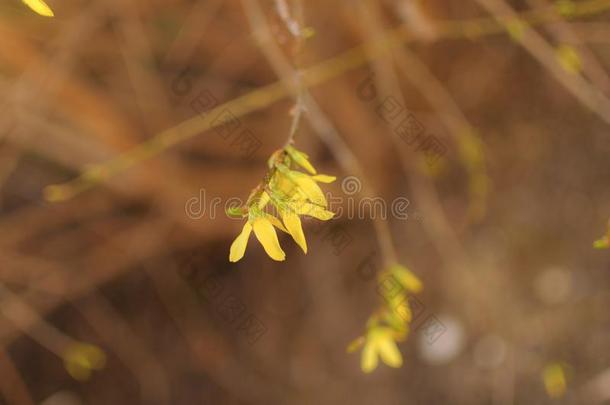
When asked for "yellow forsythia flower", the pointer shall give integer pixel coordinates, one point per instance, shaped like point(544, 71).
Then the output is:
point(390, 324)
point(380, 342)
point(555, 381)
point(81, 359)
point(291, 193)
point(40, 7)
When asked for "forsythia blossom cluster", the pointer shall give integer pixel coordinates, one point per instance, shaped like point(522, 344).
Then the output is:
point(390, 324)
point(290, 193)
point(40, 7)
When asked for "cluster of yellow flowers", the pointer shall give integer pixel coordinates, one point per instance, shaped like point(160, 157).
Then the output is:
point(389, 324)
point(290, 193)
point(40, 7)
point(604, 241)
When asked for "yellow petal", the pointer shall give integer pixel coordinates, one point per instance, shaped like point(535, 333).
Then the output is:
point(312, 210)
point(307, 166)
point(264, 200)
point(403, 311)
point(40, 7)
point(408, 280)
point(265, 233)
point(283, 187)
point(301, 159)
point(324, 178)
point(368, 361)
point(388, 351)
point(293, 224)
point(394, 321)
point(310, 188)
point(276, 222)
point(304, 163)
point(238, 247)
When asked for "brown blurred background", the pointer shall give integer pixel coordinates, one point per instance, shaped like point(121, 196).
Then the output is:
point(499, 228)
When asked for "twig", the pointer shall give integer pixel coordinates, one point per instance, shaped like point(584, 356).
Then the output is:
point(323, 126)
point(320, 73)
point(537, 46)
point(13, 388)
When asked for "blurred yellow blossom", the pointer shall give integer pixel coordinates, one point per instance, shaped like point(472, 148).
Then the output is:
point(380, 342)
point(390, 323)
point(604, 241)
point(80, 359)
point(555, 381)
